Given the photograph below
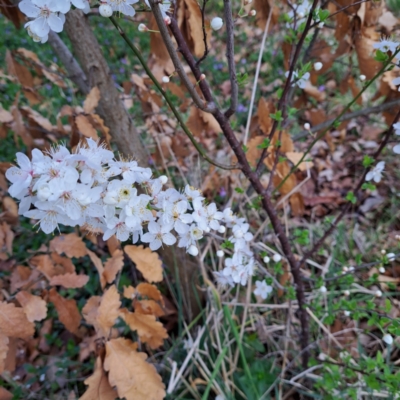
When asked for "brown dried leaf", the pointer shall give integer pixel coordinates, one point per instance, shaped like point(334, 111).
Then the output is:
point(4, 393)
point(99, 266)
point(263, 8)
point(67, 310)
point(134, 378)
point(3, 352)
point(34, 307)
point(295, 157)
point(148, 307)
point(113, 265)
point(12, 13)
point(99, 387)
point(92, 100)
point(70, 244)
point(5, 116)
point(69, 281)
point(150, 331)
point(129, 292)
point(85, 127)
point(108, 311)
point(89, 311)
point(13, 321)
point(150, 291)
point(147, 262)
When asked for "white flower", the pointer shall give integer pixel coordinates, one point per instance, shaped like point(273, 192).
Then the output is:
point(266, 259)
point(386, 45)
point(391, 256)
point(164, 7)
point(346, 313)
point(277, 257)
point(116, 226)
point(123, 6)
point(46, 15)
point(388, 339)
point(318, 65)
point(105, 10)
point(137, 211)
point(193, 250)
point(262, 289)
point(191, 193)
point(396, 81)
point(206, 217)
point(21, 177)
point(223, 280)
point(323, 289)
point(396, 128)
point(190, 236)
point(49, 215)
point(376, 172)
point(158, 234)
point(382, 270)
point(217, 23)
point(299, 81)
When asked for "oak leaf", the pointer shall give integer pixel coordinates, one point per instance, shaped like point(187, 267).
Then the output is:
point(113, 265)
point(67, 310)
point(108, 310)
point(34, 307)
point(134, 378)
point(147, 262)
point(85, 127)
point(69, 281)
point(89, 311)
point(70, 244)
point(99, 387)
point(148, 307)
point(150, 291)
point(13, 321)
point(150, 331)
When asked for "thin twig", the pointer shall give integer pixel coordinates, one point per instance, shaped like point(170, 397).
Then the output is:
point(253, 93)
point(168, 100)
point(230, 53)
point(203, 12)
point(200, 103)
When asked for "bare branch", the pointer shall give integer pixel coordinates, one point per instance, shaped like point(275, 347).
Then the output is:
point(230, 52)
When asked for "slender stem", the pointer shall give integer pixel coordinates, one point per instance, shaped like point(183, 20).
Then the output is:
point(203, 12)
point(282, 105)
point(200, 103)
point(178, 116)
point(230, 52)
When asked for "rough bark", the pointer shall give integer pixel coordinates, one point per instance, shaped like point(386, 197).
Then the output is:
point(111, 109)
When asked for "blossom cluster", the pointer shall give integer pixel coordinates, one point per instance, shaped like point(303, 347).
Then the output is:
point(49, 15)
point(91, 189)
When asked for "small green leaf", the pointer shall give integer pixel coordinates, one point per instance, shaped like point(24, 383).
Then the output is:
point(351, 197)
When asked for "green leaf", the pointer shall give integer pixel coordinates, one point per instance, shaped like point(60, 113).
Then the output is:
point(265, 144)
point(239, 190)
point(381, 56)
point(351, 197)
point(323, 15)
point(367, 161)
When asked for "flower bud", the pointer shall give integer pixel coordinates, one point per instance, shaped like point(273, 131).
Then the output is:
point(266, 259)
point(362, 78)
point(216, 23)
point(346, 292)
point(193, 250)
point(165, 79)
point(346, 313)
point(323, 289)
point(300, 15)
point(307, 126)
point(143, 28)
point(277, 257)
point(207, 229)
point(163, 179)
point(382, 270)
point(378, 293)
point(388, 339)
point(318, 65)
point(167, 20)
point(221, 229)
point(253, 13)
point(105, 10)
point(321, 25)
point(43, 192)
point(391, 256)
point(220, 253)
point(202, 77)
point(383, 251)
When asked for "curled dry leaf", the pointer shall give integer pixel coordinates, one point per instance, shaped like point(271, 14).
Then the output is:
point(113, 265)
point(148, 307)
point(129, 292)
point(67, 310)
point(34, 307)
point(13, 321)
point(69, 281)
point(99, 387)
point(150, 331)
point(294, 157)
point(147, 262)
point(134, 378)
point(99, 266)
point(92, 100)
point(70, 244)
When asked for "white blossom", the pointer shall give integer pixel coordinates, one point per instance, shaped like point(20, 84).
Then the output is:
point(386, 45)
point(262, 289)
point(376, 173)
